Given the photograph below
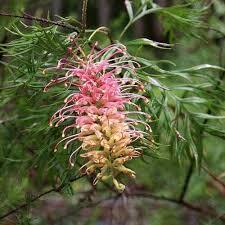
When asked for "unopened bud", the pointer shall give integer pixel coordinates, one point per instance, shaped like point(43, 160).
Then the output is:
point(119, 186)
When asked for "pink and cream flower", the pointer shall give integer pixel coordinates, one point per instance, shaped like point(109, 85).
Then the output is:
point(96, 108)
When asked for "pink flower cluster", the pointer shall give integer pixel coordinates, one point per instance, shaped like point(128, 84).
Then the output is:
point(102, 86)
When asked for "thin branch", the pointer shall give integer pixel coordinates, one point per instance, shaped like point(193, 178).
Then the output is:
point(187, 181)
point(204, 211)
point(208, 212)
point(41, 20)
point(26, 204)
point(84, 15)
point(189, 206)
point(215, 178)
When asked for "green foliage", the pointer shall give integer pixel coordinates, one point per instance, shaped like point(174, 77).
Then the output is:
point(186, 96)
point(181, 18)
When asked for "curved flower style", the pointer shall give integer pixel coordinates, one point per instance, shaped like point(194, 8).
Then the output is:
point(97, 110)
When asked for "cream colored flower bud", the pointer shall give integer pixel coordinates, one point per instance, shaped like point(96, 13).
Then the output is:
point(119, 186)
point(126, 170)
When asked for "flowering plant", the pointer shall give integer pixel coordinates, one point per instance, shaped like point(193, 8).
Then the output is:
point(118, 107)
point(105, 84)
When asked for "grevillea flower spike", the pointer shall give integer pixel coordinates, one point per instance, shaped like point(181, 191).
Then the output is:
point(96, 109)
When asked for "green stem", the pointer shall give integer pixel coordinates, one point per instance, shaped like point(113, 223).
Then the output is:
point(139, 16)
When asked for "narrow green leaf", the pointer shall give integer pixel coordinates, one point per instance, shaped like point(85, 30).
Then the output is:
point(158, 69)
point(129, 9)
point(207, 116)
point(156, 83)
point(203, 66)
point(145, 41)
point(192, 100)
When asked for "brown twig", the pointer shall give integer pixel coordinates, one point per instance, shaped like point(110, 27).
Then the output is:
point(215, 178)
point(204, 211)
point(26, 204)
point(187, 181)
point(41, 20)
point(189, 206)
point(84, 15)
